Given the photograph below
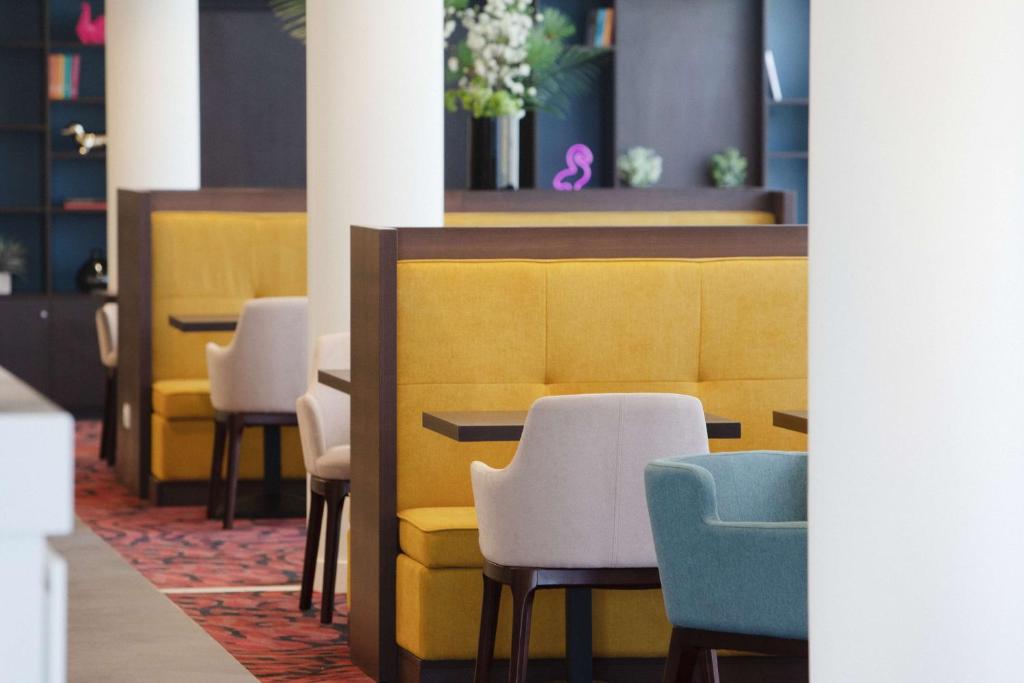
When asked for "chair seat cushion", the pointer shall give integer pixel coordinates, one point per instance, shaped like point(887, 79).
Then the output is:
point(182, 398)
point(334, 464)
point(440, 537)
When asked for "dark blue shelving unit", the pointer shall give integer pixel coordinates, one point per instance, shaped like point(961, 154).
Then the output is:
point(40, 168)
point(787, 35)
point(53, 341)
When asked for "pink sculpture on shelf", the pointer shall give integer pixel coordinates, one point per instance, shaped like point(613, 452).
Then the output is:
point(90, 31)
point(578, 159)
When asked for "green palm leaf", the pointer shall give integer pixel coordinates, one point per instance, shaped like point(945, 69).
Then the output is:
point(292, 14)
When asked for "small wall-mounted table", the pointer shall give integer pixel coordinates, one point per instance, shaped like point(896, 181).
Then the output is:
point(204, 323)
point(507, 425)
point(793, 420)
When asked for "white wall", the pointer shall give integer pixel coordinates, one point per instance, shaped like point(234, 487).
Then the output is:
point(916, 329)
point(152, 82)
point(375, 140)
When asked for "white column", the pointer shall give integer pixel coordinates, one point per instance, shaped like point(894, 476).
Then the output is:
point(375, 132)
point(375, 139)
point(152, 57)
point(916, 351)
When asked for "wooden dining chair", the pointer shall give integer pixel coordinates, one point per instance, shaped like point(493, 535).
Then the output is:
point(325, 429)
point(569, 510)
point(106, 333)
point(254, 382)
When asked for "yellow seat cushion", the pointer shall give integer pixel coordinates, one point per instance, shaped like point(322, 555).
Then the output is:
point(174, 398)
point(440, 536)
point(182, 448)
point(595, 219)
point(438, 617)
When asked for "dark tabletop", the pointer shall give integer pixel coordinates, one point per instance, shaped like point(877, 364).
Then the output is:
point(793, 420)
point(507, 425)
point(336, 379)
point(204, 323)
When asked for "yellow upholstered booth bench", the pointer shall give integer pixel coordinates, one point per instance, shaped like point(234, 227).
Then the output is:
point(203, 252)
point(494, 322)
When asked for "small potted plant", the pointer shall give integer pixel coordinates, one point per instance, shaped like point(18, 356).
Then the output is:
point(728, 168)
point(12, 262)
point(639, 167)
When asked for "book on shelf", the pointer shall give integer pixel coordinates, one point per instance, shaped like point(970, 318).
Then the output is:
point(600, 27)
point(85, 204)
point(773, 76)
point(63, 76)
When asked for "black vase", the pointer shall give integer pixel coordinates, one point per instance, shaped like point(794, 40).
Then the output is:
point(494, 153)
point(93, 273)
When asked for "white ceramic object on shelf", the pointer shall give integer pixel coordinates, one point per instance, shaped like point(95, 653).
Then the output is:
point(5, 283)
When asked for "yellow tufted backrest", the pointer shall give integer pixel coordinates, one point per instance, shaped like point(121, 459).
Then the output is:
point(592, 219)
point(498, 334)
point(211, 262)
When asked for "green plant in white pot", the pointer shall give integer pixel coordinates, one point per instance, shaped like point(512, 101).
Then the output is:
point(12, 262)
point(639, 167)
point(728, 168)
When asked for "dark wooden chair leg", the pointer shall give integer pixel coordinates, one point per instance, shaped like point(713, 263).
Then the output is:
point(710, 666)
point(524, 583)
point(234, 429)
point(108, 435)
point(216, 467)
point(488, 630)
point(579, 634)
point(335, 505)
point(682, 660)
point(316, 516)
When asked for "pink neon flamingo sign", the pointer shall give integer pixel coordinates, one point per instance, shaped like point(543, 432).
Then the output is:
point(578, 159)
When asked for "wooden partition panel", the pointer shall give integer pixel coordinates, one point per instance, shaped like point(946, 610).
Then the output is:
point(375, 256)
point(135, 376)
point(374, 536)
point(779, 202)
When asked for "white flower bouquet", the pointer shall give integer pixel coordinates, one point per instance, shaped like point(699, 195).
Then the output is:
point(513, 58)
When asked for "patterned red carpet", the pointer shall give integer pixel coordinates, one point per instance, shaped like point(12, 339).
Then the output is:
point(177, 547)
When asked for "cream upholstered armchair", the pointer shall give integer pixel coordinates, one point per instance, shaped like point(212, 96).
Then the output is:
point(254, 382)
point(324, 426)
point(570, 508)
point(106, 333)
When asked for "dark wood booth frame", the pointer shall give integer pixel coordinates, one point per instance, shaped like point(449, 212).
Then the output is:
point(374, 536)
point(780, 203)
point(135, 318)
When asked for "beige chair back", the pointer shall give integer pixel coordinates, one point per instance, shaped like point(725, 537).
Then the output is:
point(264, 368)
point(573, 495)
point(106, 332)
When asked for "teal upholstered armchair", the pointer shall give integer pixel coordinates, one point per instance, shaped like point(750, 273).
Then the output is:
point(730, 533)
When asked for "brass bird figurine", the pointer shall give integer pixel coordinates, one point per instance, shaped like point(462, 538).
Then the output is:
point(86, 141)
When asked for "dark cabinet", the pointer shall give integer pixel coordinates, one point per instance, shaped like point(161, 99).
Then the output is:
point(76, 375)
point(50, 343)
point(24, 334)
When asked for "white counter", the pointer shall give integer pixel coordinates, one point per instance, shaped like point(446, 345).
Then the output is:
point(37, 441)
